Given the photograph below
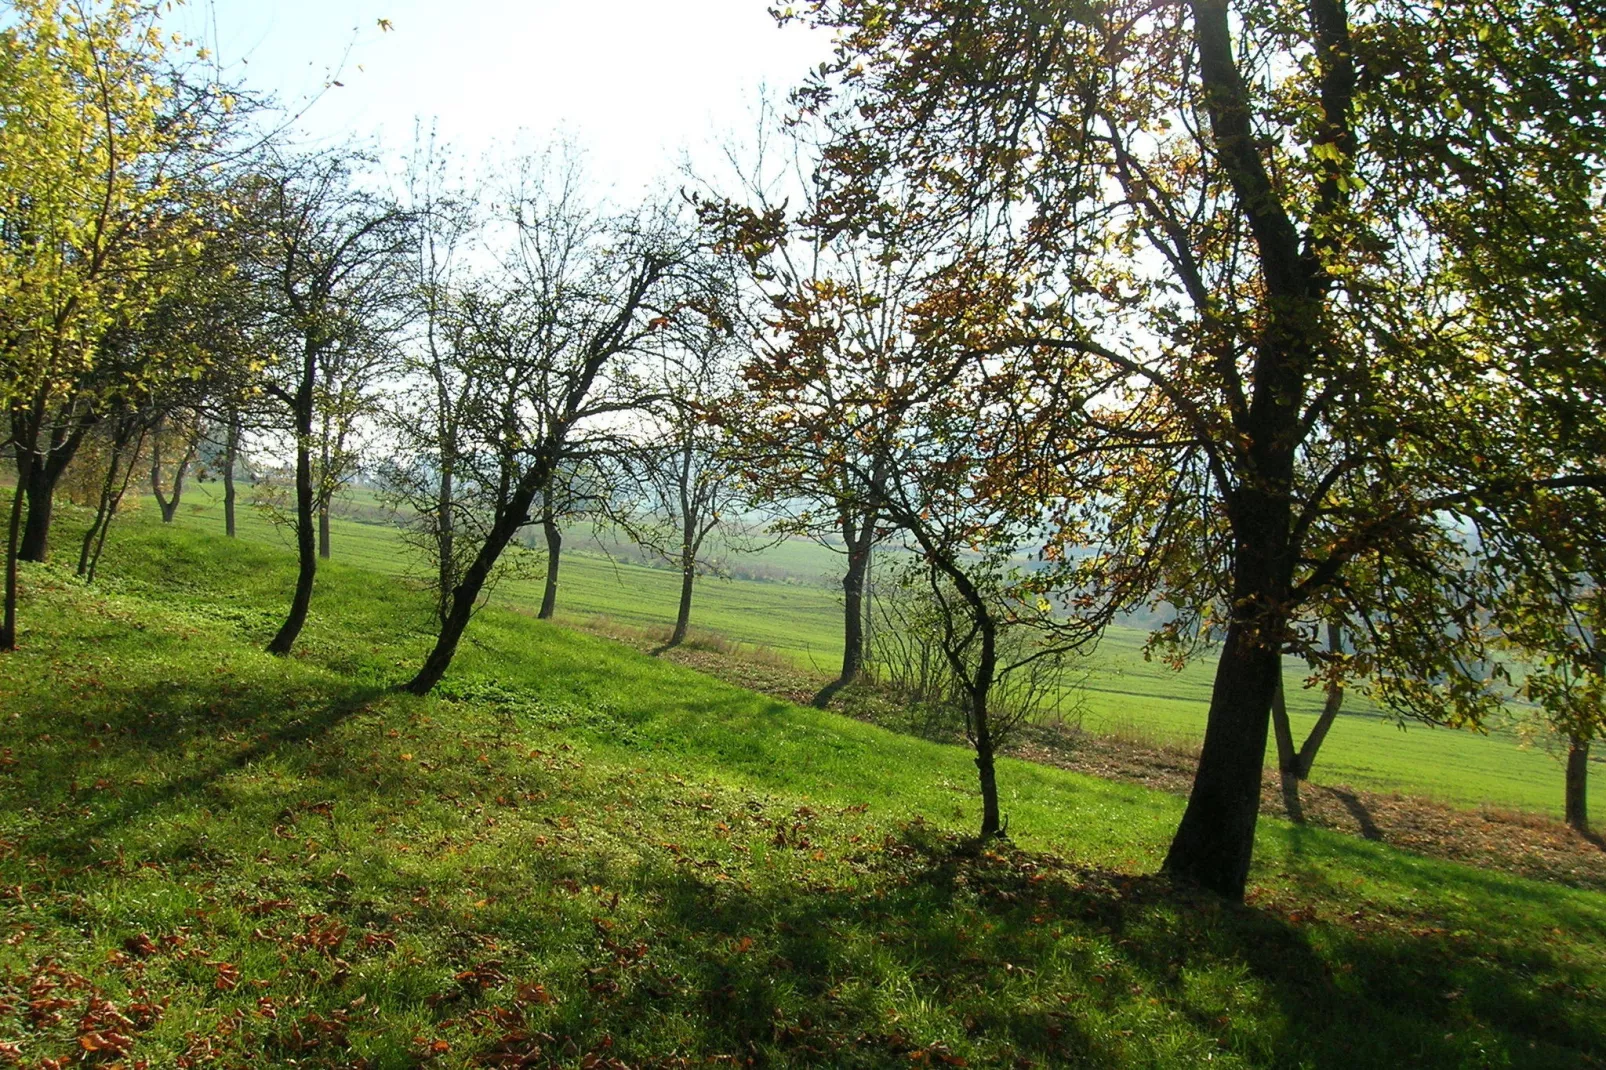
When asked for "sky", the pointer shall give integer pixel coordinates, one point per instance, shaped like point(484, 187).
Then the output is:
point(635, 83)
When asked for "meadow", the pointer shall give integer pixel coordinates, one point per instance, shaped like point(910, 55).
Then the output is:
point(577, 855)
point(800, 619)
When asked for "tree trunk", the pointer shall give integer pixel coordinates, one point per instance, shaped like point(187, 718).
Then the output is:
point(1216, 839)
point(554, 549)
point(1330, 708)
point(1287, 757)
point(688, 578)
point(39, 483)
point(112, 490)
point(467, 592)
point(445, 539)
point(1578, 783)
point(169, 506)
point(8, 624)
point(323, 530)
point(306, 545)
point(991, 820)
point(853, 601)
point(231, 454)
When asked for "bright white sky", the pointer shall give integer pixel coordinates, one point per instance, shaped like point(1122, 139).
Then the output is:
point(634, 82)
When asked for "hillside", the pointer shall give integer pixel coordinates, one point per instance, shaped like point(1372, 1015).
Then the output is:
point(577, 855)
point(800, 620)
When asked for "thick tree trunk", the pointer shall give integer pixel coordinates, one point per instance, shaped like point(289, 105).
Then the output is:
point(465, 596)
point(991, 819)
point(554, 551)
point(1215, 841)
point(1578, 783)
point(231, 455)
point(39, 483)
point(8, 624)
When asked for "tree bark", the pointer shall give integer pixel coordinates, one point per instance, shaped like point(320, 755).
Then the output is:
point(323, 530)
point(231, 454)
point(445, 537)
point(554, 550)
point(39, 483)
point(853, 600)
point(1578, 783)
point(1216, 839)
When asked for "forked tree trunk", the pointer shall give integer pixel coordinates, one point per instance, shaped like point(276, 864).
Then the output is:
point(231, 455)
point(169, 505)
point(112, 490)
point(1577, 802)
point(554, 551)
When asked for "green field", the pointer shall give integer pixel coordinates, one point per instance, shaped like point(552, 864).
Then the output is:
point(802, 620)
point(576, 855)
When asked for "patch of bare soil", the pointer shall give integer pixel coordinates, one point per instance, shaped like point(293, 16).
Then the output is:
point(1531, 845)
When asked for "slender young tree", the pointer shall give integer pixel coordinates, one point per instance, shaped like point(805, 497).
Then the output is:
point(325, 258)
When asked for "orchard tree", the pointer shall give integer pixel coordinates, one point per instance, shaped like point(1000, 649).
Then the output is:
point(324, 256)
point(102, 151)
point(551, 342)
point(1208, 202)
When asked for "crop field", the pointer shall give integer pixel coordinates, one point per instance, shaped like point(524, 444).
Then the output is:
point(800, 619)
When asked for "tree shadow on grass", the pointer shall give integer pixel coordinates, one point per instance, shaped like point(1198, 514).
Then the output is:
point(971, 928)
point(154, 726)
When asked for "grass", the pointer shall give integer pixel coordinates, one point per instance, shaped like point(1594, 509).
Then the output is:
point(577, 855)
point(801, 620)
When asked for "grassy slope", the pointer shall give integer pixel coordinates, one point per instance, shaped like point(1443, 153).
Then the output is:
point(1123, 692)
point(579, 854)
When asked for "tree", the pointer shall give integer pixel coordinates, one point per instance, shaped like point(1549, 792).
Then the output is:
point(1202, 208)
point(324, 257)
point(102, 152)
point(684, 499)
point(580, 297)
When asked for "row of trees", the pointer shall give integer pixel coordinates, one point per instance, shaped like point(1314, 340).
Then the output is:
point(1278, 320)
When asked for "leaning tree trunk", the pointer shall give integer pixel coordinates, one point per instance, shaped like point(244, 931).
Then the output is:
point(1287, 756)
point(1578, 783)
point(465, 596)
point(306, 546)
point(554, 551)
point(231, 454)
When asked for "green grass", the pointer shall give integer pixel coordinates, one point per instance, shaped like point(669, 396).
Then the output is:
point(577, 855)
point(1123, 691)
